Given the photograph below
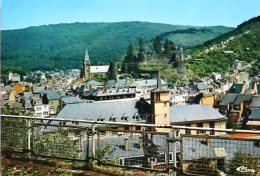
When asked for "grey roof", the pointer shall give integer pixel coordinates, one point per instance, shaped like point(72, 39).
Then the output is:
point(236, 88)
point(39, 90)
point(101, 110)
point(229, 98)
point(188, 113)
point(110, 92)
point(255, 114)
point(71, 100)
point(86, 55)
point(196, 148)
point(242, 97)
point(28, 103)
point(53, 95)
point(255, 102)
point(203, 86)
point(133, 145)
point(147, 83)
point(117, 83)
point(94, 83)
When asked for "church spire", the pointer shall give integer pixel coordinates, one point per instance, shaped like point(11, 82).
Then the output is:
point(86, 55)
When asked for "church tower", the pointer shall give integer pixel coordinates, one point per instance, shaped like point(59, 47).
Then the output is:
point(86, 66)
point(160, 105)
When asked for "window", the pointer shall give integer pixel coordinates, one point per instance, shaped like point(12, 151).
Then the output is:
point(157, 97)
point(165, 104)
point(212, 125)
point(46, 113)
point(165, 115)
point(201, 126)
point(38, 108)
point(170, 156)
point(77, 133)
point(188, 131)
point(39, 114)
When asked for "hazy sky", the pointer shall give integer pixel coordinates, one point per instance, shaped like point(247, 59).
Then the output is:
point(23, 13)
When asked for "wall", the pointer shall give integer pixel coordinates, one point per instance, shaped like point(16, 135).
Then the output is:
point(54, 106)
point(209, 101)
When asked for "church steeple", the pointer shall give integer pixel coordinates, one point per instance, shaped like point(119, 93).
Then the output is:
point(86, 58)
point(86, 66)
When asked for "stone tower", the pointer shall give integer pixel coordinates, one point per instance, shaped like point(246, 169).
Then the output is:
point(86, 66)
point(160, 105)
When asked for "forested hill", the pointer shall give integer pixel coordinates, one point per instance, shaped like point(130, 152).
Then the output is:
point(242, 43)
point(63, 45)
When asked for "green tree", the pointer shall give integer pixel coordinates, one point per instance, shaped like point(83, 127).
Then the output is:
point(103, 154)
point(157, 44)
point(243, 160)
point(166, 47)
point(141, 54)
point(129, 58)
point(113, 71)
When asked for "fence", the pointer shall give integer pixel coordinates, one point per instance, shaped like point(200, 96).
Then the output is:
point(132, 146)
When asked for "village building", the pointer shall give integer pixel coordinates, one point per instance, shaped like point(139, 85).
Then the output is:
point(14, 77)
point(89, 71)
point(197, 116)
point(144, 87)
point(106, 94)
point(254, 118)
point(18, 87)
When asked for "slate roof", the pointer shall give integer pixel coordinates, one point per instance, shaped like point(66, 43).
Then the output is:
point(203, 86)
point(196, 148)
point(255, 102)
point(38, 90)
point(118, 143)
point(228, 98)
point(236, 88)
point(86, 58)
point(188, 113)
point(242, 97)
point(9, 88)
point(255, 114)
point(94, 83)
point(71, 100)
point(99, 69)
point(117, 83)
point(53, 95)
point(101, 110)
point(110, 92)
point(147, 83)
point(28, 103)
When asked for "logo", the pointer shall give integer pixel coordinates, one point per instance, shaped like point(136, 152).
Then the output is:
point(245, 169)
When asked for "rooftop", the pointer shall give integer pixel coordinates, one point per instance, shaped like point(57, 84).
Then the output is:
point(189, 113)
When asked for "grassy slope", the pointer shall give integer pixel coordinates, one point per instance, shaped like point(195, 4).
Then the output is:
point(63, 45)
point(244, 41)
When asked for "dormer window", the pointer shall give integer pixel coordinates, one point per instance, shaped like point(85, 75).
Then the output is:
point(124, 118)
point(113, 119)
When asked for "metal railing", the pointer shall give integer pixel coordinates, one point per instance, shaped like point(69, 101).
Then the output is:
point(132, 145)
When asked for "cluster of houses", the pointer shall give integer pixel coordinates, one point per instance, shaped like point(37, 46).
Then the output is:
point(215, 101)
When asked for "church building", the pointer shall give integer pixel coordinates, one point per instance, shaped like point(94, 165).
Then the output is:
point(89, 71)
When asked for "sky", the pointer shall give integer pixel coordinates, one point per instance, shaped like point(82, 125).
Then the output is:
point(16, 14)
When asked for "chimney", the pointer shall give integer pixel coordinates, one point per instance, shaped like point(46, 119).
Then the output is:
point(126, 144)
point(141, 142)
point(208, 141)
